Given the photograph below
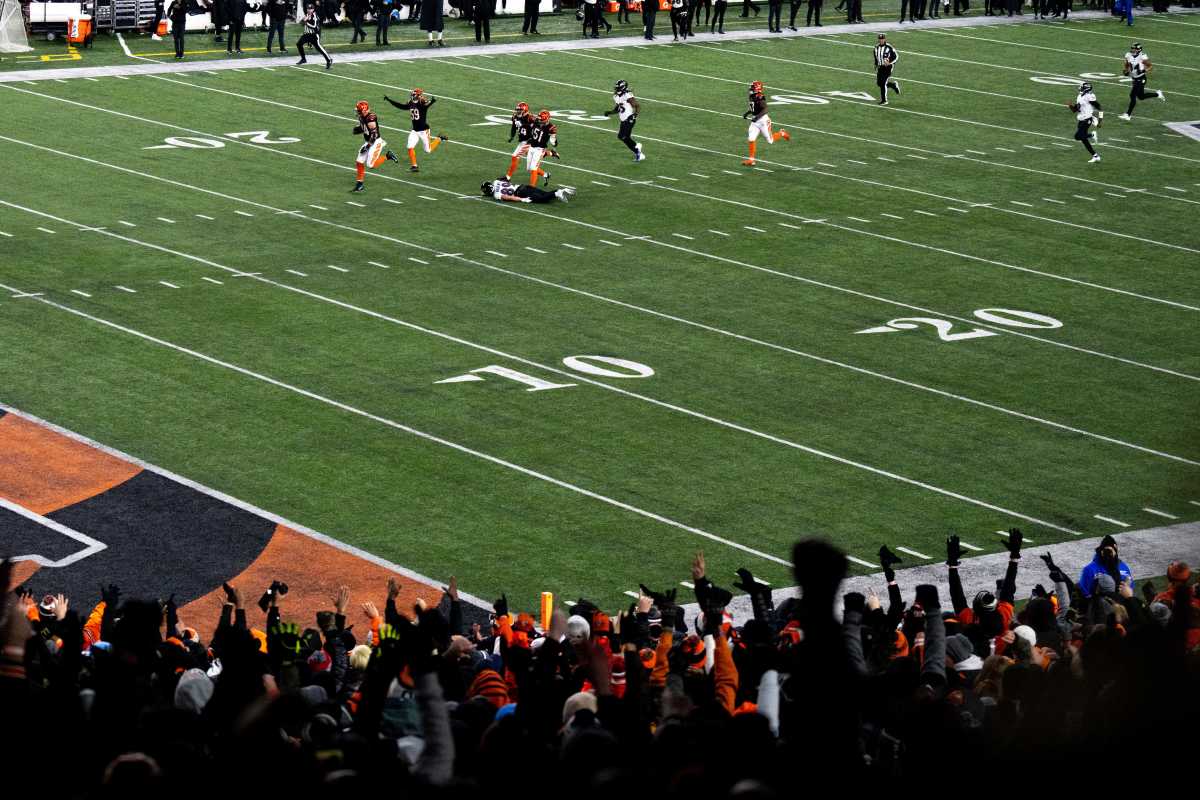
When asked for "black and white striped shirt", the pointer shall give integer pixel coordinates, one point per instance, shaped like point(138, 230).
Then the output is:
point(312, 23)
point(885, 53)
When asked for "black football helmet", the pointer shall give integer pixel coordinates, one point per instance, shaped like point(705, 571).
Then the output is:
point(1084, 88)
point(621, 87)
point(486, 188)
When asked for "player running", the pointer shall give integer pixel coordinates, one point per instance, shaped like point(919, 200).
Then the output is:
point(543, 138)
point(1087, 114)
point(760, 123)
point(374, 149)
point(522, 126)
point(627, 108)
point(312, 36)
point(418, 107)
point(1138, 66)
point(502, 189)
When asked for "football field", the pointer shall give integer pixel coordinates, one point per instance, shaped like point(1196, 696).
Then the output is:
point(927, 317)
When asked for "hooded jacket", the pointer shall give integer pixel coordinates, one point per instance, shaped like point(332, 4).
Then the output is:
point(1087, 578)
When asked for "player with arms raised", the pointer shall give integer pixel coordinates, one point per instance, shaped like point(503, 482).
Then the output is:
point(374, 149)
point(418, 108)
point(543, 138)
point(760, 122)
point(1087, 114)
point(522, 127)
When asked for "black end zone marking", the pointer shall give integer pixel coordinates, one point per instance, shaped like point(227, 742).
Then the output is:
point(163, 538)
point(24, 537)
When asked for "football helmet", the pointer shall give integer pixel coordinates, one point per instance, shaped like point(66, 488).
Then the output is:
point(1084, 88)
point(544, 115)
point(486, 188)
point(362, 107)
point(417, 95)
point(1135, 48)
point(522, 108)
point(621, 87)
point(756, 87)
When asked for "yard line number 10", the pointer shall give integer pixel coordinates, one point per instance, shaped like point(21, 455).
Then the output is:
point(1007, 317)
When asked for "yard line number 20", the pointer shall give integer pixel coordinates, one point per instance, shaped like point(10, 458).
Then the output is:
point(1008, 317)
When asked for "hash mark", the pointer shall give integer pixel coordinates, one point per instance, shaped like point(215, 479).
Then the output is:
point(211, 280)
point(81, 294)
point(856, 161)
point(885, 158)
point(493, 252)
point(1113, 521)
point(169, 285)
point(752, 228)
point(126, 224)
point(788, 225)
point(243, 213)
point(730, 172)
point(46, 230)
point(606, 241)
point(535, 250)
point(668, 178)
point(971, 547)
point(976, 152)
point(426, 197)
point(1158, 513)
point(892, 216)
point(386, 200)
point(859, 219)
point(419, 261)
point(377, 264)
point(317, 207)
point(127, 289)
point(339, 269)
point(1082, 197)
point(718, 233)
point(1006, 149)
point(164, 219)
point(1052, 200)
point(1175, 189)
point(1019, 203)
point(1032, 147)
point(698, 175)
point(297, 272)
point(913, 553)
point(573, 246)
point(352, 203)
point(764, 169)
point(959, 210)
point(205, 216)
point(826, 164)
point(914, 155)
point(923, 213)
point(601, 183)
point(1026, 539)
point(685, 236)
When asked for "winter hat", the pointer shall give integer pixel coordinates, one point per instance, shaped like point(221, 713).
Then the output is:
point(958, 648)
point(1104, 584)
point(319, 661)
point(506, 710)
point(985, 601)
point(1160, 613)
point(313, 695)
point(1027, 633)
point(1107, 541)
point(489, 685)
point(193, 691)
point(580, 701)
point(1178, 572)
point(578, 629)
point(360, 656)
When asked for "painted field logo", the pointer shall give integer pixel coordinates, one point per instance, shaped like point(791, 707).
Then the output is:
point(1189, 129)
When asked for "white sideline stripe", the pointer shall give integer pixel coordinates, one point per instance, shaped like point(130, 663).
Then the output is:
point(1158, 513)
point(377, 264)
point(924, 213)
point(1110, 519)
point(534, 249)
point(297, 272)
point(495, 253)
point(573, 246)
point(412, 431)
point(914, 553)
point(583, 379)
point(212, 280)
point(205, 216)
point(126, 289)
point(746, 265)
point(334, 267)
point(244, 506)
point(168, 285)
point(718, 233)
point(90, 546)
point(81, 294)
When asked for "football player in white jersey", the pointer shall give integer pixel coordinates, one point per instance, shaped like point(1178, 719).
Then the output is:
point(503, 189)
point(1087, 116)
point(1137, 66)
point(626, 107)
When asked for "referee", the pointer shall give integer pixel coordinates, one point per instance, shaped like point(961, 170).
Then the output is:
point(885, 58)
point(312, 36)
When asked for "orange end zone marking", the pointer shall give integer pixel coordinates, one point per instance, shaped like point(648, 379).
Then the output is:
point(313, 572)
point(43, 471)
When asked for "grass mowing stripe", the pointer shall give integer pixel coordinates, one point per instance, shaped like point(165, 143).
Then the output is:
point(418, 433)
point(699, 253)
point(584, 379)
point(781, 122)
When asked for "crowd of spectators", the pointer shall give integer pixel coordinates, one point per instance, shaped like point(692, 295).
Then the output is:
point(821, 693)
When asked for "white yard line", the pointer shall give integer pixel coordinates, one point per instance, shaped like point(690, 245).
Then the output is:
point(698, 415)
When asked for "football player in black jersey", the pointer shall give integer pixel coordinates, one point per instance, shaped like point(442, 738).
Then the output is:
point(543, 138)
point(760, 122)
point(373, 151)
point(418, 107)
point(522, 126)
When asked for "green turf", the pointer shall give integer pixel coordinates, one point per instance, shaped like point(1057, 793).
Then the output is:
point(768, 417)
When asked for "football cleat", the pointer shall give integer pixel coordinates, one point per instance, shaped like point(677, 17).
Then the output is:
point(749, 162)
point(1162, 95)
point(414, 168)
point(787, 137)
point(358, 187)
point(390, 156)
point(1125, 117)
point(562, 194)
point(545, 178)
point(895, 87)
point(1094, 159)
point(443, 137)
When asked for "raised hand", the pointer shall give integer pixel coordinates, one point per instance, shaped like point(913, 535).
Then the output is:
point(342, 600)
point(698, 566)
point(1013, 543)
point(393, 588)
point(370, 610)
point(953, 550)
point(452, 590)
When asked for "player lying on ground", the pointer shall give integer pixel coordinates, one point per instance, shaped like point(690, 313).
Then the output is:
point(501, 189)
point(373, 151)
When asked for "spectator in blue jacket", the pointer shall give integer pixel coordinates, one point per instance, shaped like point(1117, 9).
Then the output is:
point(1106, 561)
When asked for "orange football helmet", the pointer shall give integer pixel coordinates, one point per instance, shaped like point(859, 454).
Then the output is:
point(362, 107)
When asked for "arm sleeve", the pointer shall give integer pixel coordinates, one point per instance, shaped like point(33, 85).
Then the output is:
point(768, 699)
point(403, 106)
point(895, 601)
point(91, 628)
point(1008, 589)
point(658, 677)
point(437, 759)
point(852, 640)
point(957, 597)
point(933, 668)
point(456, 618)
point(726, 675)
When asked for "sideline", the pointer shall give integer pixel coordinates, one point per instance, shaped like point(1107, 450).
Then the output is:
point(157, 68)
